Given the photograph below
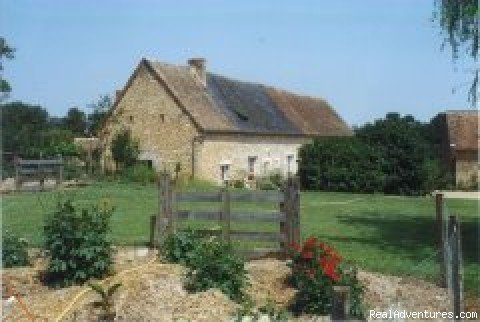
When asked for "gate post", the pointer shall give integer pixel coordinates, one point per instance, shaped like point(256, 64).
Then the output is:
point(163, 223)
point(440, 237)
point(225, 214)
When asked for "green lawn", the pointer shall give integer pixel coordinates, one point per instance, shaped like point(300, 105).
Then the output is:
point(387, 234)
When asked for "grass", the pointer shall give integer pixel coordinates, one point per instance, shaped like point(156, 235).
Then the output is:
point(387, 234)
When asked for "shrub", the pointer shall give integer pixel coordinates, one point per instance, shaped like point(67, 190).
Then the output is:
point(315, 269)
point(140, 173)
point(125, 149)
point(273, 181)
point(106, 303)
point(238, 184)
point(78, 245)
point(215, 265)
point(14, 250)
point(341, 164)
point(179, 247)
point(268, 312)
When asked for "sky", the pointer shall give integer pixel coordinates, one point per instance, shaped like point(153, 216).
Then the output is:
point(366, 58)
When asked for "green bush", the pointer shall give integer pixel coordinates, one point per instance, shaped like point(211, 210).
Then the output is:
point(215, 265)
point(14, 250)
point(179, 247)
point(77, 243)
point(273, 181)
point(238, 184)
point(140, 173)
point(341, 164)
point(125, 149)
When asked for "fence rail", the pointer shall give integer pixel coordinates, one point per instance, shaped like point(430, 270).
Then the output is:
point(39, 170)
point(286, 217)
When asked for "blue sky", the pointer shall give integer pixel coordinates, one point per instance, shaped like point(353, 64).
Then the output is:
point(365, 57)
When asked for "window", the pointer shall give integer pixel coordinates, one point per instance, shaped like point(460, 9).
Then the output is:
point(131, 118)
point(224, 171)
point(290, 158)
point(162, 118)
point(251, 164)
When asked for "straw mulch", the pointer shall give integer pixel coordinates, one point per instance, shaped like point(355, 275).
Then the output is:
point(154, 292)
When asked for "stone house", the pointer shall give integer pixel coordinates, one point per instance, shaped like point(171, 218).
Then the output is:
point(459, 145)
point(215, 127)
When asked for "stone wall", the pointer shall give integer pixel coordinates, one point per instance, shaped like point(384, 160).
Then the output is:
point(165, 133)
point(271, 153)
point(467, 168)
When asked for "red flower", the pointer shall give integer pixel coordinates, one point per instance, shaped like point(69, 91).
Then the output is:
point(296, 247)
point(310, 243)
point(307, 255)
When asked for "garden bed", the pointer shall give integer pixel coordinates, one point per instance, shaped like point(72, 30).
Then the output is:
point(154, 292)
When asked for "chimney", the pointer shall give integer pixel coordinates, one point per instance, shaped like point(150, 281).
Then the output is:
point(118, 92)
point(198, 67)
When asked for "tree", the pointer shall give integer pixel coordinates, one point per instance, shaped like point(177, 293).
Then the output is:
point(125, 149)
point(458, 20)
point(5, 52)
point(21, 125)
point(405, 152)
point(100, 111)
point(76, 121)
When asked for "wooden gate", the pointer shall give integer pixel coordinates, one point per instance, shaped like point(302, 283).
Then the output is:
point(286, 218)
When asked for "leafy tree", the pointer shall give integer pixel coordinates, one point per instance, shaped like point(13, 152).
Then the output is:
point(100, 110)
point(404, 151)
point(125, 149)
point(76, 121)
point(21, 125)
point(5, 52)
point(458, 20)
point(341, 164)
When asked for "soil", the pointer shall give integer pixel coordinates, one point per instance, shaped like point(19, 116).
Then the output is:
point(153, 291)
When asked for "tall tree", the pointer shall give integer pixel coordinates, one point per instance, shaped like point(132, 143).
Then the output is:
point(21, 125)
point(5, 52)
point(458, 20)
point(98, 114)
point(76, 121)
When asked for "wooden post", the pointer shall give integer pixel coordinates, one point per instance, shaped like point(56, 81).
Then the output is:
point(163, 221)
point(225, 214)
point(17, 175)
point(285, 242)
point(455, 244)
point(172, 205)
point(153, 225)
point(295, 209)
point(440, 237)
point(341, 303)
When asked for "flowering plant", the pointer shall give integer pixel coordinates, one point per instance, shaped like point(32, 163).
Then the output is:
point(315, 268)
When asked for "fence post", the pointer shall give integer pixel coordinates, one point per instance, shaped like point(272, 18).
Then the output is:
point(153, 225)
point(225, 214)
point(454, 239)
point(440, 237)
point(284, 229)
point(341, 303)
point(163, 222)
point(17, 175)
point(295, 209)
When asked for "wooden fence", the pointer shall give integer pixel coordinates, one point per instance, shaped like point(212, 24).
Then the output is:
point(38, 170)
point(450, 254)
point(286, 218)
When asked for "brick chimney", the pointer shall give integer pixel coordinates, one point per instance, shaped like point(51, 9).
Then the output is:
point(199, 68)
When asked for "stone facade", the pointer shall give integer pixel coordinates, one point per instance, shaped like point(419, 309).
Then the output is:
point(238, 156)
point(466, 168)
point(164, 132)
point(216, 128)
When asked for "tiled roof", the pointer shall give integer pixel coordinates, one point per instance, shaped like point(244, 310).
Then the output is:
point(227, 105)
